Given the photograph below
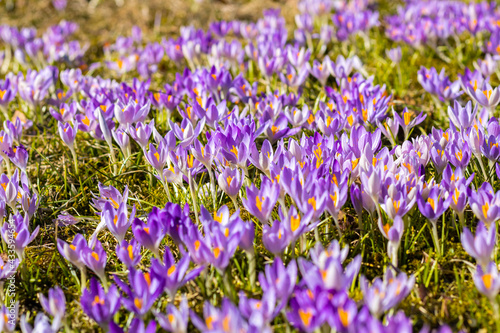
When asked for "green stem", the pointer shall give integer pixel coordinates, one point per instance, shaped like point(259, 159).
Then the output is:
point(252, 267)
point(435, 238)
point(75, 160)
point(191, 190)
point(165, 186)
point(83, 278)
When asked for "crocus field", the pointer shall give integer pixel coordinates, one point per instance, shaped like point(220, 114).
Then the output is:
point(329, 166)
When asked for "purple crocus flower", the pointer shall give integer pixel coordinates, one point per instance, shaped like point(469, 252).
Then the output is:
point(322, 71)
point(8, 92)
point(176, 319)
point(117, 220)
point(481, 245)
point(73, 252)
point(150, 233)
point(276, 237)
point(129, 253)
point(144, 290)
point(131, 112)
point(96, 259)
point(199, 248)
point(407, 120)
point(279, 279)
point(17, 231)
point(487, 281)
point(230, 181)
point(385, 294)
point(393, 234)
point(462, 117)
point(175, 275)
point(8, 317)
point(67, 134)
point(227, 318)
point(157, 157)
point(305, 314)
point(66, 112)
point(484, 95)
point(100, 305)
point(141, 133)
point(394, 54)
point(186, 133)
point(19, 156)
point(260, 203)
point(485, 204)
point(434, 204)
point(54, 305)
point(329, 275)
point(41, 324)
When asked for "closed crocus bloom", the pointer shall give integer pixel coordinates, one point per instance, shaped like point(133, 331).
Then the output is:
point(394, 54)
point(141, 133)
point(54, 305)
point(129, 253)
point(122, 139)
point(485, 204)
point(176, 319)
point(459, 196)
point(41, 324)
point(9, 189)
point(487, 281)
point(100, 305)
point(481, 245)
point(67, 134)
point(393, 234)
point(462, 117)
point(263, 159)
point(230, 181)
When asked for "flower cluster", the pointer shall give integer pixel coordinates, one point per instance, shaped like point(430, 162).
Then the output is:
point(262, 145)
